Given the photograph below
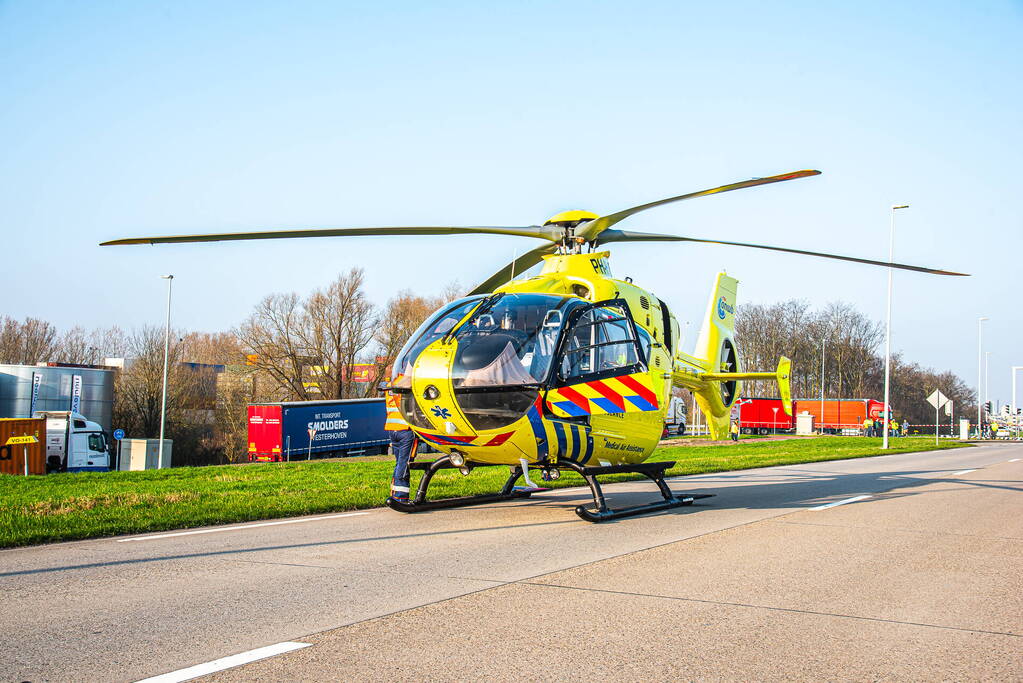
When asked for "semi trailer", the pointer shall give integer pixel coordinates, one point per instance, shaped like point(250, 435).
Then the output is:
point(766, 415)
point(302, 430)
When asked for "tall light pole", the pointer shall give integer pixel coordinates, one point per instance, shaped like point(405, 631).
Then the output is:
point(888, 329)
point(980, 367)
point(166, 362)
point(824, 341)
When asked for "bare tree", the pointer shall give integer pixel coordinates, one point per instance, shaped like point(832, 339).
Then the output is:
point(308, 348)
point(403, 315)
point(27, 343)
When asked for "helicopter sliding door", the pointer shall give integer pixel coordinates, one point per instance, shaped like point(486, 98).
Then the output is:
point(600, 368)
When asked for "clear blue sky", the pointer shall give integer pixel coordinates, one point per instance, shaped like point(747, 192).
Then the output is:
point(124, 119)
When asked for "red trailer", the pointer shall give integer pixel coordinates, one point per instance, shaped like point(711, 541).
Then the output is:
point(765, 416)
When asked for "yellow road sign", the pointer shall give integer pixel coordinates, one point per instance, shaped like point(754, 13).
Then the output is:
point(28, 438)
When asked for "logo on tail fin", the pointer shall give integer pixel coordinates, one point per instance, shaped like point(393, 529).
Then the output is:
point(724, 306)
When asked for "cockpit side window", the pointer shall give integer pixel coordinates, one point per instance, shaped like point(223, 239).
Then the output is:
point(666, 323)
point(644, 344)
point(602, 342)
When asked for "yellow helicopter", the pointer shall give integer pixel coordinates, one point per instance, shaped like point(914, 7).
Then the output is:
point(571, 369)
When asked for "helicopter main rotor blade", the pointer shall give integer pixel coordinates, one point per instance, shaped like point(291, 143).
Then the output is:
point(535, 231)
point(589, 231)
point(519, 265)
point(615, 235)
point(902, 266)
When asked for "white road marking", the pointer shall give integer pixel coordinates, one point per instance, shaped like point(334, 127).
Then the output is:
point(225, 663)
point(237, 528)
point(956, 474)
point(840, 502)
point(1014, 460)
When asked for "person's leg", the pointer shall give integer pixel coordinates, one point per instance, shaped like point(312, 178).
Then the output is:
point(401, 448)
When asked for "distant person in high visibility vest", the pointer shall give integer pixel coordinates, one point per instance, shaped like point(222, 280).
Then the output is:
point(894, 425)
point(735, 430)
point(868, 427)
point(403, 448)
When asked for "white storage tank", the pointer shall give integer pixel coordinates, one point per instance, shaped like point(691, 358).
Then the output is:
point(89, 391)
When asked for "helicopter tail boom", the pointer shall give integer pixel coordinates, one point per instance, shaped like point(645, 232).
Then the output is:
point(781, 376)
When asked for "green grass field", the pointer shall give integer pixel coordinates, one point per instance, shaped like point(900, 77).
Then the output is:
point(61, 507)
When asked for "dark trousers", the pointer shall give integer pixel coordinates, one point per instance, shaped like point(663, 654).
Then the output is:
point(403, 445)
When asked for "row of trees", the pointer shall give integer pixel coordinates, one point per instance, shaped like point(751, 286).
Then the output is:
point(840, 349)
point(303, 348)
point(31, 340)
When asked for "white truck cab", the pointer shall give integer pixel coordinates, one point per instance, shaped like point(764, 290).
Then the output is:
point(675, 417)
point(73, 443)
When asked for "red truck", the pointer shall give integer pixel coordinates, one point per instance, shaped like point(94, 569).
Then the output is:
point(766, 415)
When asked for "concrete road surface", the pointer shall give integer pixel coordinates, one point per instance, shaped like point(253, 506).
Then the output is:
point(919, 577)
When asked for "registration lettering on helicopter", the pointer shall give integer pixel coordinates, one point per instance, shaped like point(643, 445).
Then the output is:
point(601, 266)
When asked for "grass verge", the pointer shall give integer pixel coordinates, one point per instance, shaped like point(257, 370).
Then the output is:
point(61, 507)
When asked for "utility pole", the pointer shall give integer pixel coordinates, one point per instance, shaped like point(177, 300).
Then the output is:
point(980, 367)
point(166, 359)
point(888, 329)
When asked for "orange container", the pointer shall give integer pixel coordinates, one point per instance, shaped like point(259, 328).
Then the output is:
point(839, 413)
point(12, 456)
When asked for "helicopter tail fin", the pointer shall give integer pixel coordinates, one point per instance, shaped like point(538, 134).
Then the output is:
point(716, 347)
point(719, 326)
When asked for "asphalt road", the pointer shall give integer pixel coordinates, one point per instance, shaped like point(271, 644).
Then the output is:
point(922, 579)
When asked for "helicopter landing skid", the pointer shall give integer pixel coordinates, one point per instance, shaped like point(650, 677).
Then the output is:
point(652, 470)
point(418, 504)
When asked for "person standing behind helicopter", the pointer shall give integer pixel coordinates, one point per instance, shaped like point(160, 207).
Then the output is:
point(403, 448)
point(735, 430)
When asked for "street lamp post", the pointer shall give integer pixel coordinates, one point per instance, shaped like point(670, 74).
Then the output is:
point(775, 419)
point(980, 366)
point(888, 329)
point(166, 361)
point(824, 341)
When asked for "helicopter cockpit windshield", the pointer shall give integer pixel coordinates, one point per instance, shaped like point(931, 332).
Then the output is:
point(505, 353)
point(510, 341)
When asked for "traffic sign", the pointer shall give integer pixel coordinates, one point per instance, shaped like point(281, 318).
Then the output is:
point(118, 434)
point(937, 399)
point(28, 438)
